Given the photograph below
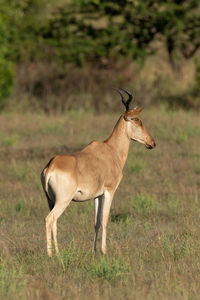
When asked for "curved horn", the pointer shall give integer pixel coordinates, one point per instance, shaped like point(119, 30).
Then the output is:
point(122, 97)
point(125, 102)
point(129, 98)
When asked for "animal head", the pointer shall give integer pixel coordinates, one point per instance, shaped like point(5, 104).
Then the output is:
point(135, 129)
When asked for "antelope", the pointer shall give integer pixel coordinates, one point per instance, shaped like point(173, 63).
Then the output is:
point(92, 173)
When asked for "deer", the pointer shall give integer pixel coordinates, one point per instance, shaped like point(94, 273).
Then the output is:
point(92, 173)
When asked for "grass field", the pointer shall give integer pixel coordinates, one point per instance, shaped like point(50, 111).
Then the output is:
point(153, 234)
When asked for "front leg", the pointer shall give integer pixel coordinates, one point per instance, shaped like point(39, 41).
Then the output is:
point(108, 196)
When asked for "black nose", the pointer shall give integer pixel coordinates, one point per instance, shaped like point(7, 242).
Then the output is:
point(149, 146)
point(153, 145)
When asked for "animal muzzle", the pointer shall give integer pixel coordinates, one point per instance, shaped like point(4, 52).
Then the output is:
point(150, 144)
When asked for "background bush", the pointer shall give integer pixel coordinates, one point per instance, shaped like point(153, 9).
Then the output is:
point(6, 66)
point(63, 50)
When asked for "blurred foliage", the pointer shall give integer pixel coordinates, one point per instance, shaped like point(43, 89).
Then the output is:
point(82, 31)
point(195, 92)
point(197, 65)
point(85, 30)
point(6, 66)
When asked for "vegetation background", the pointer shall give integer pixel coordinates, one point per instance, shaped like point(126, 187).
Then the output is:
point(64, 54)
point(58, 63)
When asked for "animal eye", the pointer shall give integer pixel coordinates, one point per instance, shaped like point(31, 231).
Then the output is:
point(136, 119)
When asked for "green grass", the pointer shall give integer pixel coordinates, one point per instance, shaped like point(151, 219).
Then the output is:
point(108, 269)
point(180, 136)
point(21, 207)
point(12, 280)
point(153, 235)
point(144, 204)
point(197, 166)
point(137, 167)
point(11, 140)
point(54, 128)
point(18, 172)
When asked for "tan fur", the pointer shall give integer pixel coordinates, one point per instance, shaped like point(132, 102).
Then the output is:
point(93, 172)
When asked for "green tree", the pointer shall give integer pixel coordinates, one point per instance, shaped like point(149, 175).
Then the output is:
point(88, 30)
point(132, 25)
point(81, 31)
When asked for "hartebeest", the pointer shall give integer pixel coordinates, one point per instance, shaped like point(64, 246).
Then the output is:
point(93, 173)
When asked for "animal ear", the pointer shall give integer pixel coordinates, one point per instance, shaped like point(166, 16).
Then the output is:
point(131, 114)
point(139, 110)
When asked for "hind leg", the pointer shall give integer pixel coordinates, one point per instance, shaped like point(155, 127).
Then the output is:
point(55, 237)
point(51, 223)
point(108, 196)
point(97, 218)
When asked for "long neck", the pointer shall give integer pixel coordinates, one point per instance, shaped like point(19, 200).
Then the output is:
point(119, 141)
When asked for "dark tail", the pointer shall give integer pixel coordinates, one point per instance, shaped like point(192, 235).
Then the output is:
point(51, 201)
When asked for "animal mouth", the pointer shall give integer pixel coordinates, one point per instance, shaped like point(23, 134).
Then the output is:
point(148, 146)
